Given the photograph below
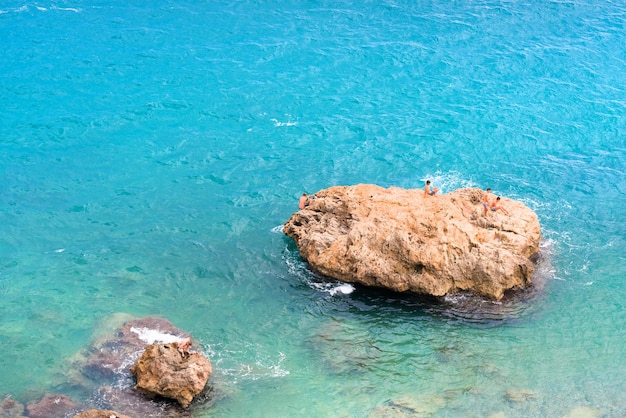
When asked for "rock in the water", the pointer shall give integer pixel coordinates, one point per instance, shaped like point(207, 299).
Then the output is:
point(520, 395)
point(163, 371)
point(135, 404)
point(405, 407)
point(111, 357)
point(104, 366)
point(51, 405)
point(584, 412)
point(100, 414)
point(10, 408)
point(403, 240)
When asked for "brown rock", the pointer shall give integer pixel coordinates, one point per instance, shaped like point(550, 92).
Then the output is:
point(402, 240)
point(51, 406)
point(100, 414)
point(163, 371)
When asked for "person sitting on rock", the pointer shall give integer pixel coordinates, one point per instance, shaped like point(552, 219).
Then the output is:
point(495, 205)
point(428, 191)
point(183, 347)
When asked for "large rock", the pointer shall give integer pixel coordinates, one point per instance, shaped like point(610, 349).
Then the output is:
point(162, 370)
point(403, 240)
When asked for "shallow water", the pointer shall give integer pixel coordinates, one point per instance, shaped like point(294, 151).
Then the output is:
point(150, 155)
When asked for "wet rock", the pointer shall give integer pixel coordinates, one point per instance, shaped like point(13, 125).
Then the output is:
point(51, 406)
point(137, 405)
point(100, 414)
point(110, 358)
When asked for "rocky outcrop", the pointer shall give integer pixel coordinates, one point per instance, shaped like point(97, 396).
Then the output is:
point(403, 240)
point(171, 371)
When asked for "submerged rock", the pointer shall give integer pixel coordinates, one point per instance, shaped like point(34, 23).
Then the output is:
point(344, 349)
point(584, 412)
point(51, 405)
point(100, 414)
point(402, 240)
point(10, 408)
point(168, 370)
point(521, 395)
point(408, 407)
point(110, 358)
point(136, 404)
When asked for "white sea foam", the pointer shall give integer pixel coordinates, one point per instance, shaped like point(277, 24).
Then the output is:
point(66, 9)
point(262, 367)
point(298, 268)
point(198, 244)
point(261, 370)
point(334, 287)
point(26, 8)
point(278, 229)
point(448, 181)
point(278, 123)
point(344, 289)
point(468, 298)
point(151, 336)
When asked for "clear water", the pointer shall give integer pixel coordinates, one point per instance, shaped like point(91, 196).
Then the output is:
point(150, 153)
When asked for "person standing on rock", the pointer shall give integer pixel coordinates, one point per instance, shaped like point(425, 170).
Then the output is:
point(428, 191)
point(486, 201)
point(303, 201)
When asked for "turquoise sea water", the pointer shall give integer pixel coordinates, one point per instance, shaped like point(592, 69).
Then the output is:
point(151, 152)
